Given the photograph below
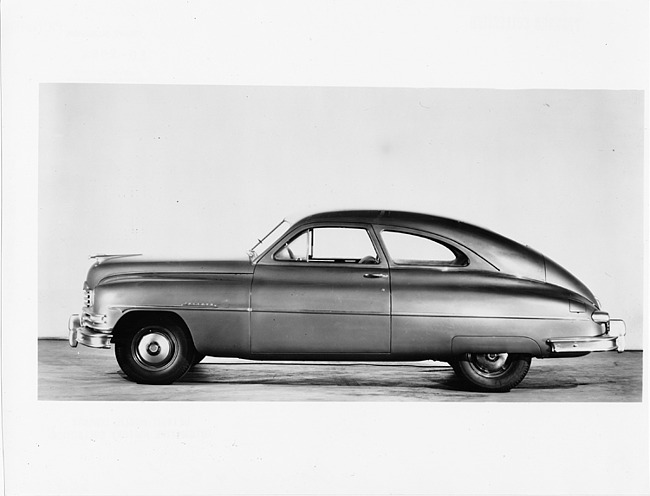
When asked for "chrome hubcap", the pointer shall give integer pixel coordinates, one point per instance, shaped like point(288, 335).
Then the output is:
point(154, 348)
point(490, 363)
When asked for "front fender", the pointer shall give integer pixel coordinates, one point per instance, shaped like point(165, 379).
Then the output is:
point(214, 308)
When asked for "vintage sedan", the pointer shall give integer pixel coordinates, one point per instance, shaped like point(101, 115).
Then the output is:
point(348, 285)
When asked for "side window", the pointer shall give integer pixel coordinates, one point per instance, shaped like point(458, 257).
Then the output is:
point(405, 248)
point(330, 244)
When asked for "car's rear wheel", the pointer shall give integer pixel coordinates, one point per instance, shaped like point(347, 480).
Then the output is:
point(155, 352)
point(493, 372)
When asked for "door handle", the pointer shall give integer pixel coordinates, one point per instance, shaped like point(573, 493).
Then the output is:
point(375, 276)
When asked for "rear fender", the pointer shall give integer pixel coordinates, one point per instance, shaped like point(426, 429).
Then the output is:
point(495, 344)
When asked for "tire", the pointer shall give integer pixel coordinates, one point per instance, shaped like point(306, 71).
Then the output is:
point(197, 358)
point(493, 372)
point(154, 352)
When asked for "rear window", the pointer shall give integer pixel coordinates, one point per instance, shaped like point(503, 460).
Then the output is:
point(411, 249)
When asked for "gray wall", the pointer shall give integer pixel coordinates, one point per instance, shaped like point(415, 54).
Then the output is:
point(201, 171)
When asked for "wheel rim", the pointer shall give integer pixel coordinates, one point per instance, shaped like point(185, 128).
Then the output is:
point(489, 364)
point(154, 348)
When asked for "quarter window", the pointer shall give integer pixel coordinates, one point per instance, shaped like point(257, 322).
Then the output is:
point(405, 248)
point(330, 244)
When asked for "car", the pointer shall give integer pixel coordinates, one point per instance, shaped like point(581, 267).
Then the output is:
point(365, 285)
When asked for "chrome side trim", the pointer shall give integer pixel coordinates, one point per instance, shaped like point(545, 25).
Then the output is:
point(184, 306)
point(322, 312)
point(213, 308)
point(171, 276)
point(456, 316)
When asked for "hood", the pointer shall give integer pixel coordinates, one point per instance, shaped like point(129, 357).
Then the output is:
point(123, 265)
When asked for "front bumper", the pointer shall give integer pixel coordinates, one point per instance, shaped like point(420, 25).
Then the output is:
point(613, 339)
point(78, 333)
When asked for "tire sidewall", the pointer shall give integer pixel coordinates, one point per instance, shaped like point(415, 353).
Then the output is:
point(173, 368)
point(518, 366)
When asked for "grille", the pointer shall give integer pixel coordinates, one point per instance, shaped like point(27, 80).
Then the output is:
point(88, 298)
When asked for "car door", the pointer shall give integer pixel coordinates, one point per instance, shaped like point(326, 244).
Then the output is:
point(322, 289)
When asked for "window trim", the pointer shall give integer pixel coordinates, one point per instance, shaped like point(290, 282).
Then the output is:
point(301, 229)
point(462, 260)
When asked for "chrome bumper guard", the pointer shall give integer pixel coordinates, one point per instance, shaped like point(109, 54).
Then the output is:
point(85, 335)
point(614, 339)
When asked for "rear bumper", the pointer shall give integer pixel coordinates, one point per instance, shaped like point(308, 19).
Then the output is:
point(92, 338)
point(614, 339)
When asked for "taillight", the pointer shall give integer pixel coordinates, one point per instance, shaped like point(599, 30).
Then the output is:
point(600, 317)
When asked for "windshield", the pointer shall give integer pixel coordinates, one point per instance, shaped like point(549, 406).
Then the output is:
point(265, 242)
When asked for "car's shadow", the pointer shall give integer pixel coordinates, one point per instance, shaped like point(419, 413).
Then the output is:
point(396, 377)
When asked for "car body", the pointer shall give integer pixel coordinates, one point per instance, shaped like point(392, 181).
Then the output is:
point(349, 285)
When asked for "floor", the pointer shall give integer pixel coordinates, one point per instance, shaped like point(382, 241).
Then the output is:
point(82, 373)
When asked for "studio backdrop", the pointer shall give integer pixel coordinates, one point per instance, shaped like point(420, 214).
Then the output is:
point(203, 171)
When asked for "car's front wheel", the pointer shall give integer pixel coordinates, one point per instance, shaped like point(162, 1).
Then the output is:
point(492, 372)
point(154, 352)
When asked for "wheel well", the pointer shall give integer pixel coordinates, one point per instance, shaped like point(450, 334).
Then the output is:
point(151, 317)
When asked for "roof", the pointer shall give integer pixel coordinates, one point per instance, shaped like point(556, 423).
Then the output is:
point(395, 217)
